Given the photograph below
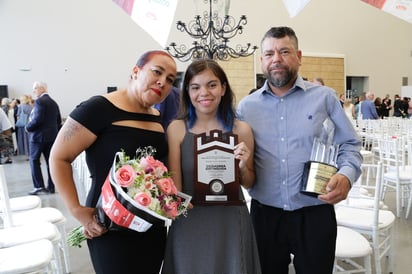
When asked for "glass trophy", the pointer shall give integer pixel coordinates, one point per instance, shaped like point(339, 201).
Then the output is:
point(322, 164)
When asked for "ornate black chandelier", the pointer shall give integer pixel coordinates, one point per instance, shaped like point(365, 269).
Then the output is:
point(212, 34)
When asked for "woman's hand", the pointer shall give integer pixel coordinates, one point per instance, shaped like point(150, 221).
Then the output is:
point(91, 226)
point(246, 171)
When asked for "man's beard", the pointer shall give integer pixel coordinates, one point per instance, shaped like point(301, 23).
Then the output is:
point(280, 80)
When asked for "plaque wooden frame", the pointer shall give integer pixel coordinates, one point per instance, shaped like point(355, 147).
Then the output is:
point(213, 158)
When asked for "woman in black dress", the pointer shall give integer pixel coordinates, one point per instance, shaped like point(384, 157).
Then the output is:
point(101, 126)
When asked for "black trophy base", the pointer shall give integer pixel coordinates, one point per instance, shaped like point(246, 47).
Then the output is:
point(316, 176)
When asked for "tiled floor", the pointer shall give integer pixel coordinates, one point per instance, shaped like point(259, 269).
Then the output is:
point(19, 183)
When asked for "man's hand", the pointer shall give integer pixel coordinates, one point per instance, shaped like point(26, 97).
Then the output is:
point(338, 188)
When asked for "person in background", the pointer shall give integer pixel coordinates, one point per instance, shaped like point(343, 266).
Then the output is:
point(102, 126)
point(318, 81)
point(24, 109)
point(385, 107)
point(405, 107)
point(401, 107)
point(224, 232)
point(358, 112)
point(397, 106)
point(349, 109)
point(388, 102)
point(43, 125)
point(16, 102)
point(356, 100)
point(285, 220)
point(168, 107)
point(11, 115)
point(342, 99)
point(378, 106)
point(7, 153)
point(409, 107)
point(5, 104)
point(368, 108)
point(6, 143)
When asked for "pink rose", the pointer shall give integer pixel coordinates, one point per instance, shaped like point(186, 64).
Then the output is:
point(149, 164)
point(143, 198)
point(167, 186)
point(171, 210)
point(125, 175)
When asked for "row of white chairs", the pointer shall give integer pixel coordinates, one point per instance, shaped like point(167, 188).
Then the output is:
point(33, 238)
point(364, 212)
point(387, 126)
point(396, 157)
point(390, 141)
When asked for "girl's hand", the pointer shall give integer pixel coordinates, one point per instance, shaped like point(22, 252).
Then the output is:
point(242, 153)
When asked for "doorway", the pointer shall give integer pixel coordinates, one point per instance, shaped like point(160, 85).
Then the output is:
point(356, 86)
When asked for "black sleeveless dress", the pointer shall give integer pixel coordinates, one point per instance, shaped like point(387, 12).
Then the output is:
point(211, 239)
point(125, 251)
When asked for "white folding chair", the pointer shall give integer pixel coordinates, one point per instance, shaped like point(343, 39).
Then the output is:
point(25, 202)
point(18, 235)
point(351, 245)
point(409, 152)
point(22, 203)
point(81, 176)
point(33, 257)
point(397, 175)
point(375, 223)
point(368, 155)
point(362, 192)
point(32, 218)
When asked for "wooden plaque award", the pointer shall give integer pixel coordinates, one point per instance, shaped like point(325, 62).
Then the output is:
point(216, 173)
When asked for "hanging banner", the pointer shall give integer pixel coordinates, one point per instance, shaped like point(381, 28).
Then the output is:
point(154, 16)
point(399, 8)
point(295, 6)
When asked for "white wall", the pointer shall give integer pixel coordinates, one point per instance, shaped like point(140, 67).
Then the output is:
point(406, 91)
point(98, 43)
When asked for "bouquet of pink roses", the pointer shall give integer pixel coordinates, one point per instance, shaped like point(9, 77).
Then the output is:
point(137, 194)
